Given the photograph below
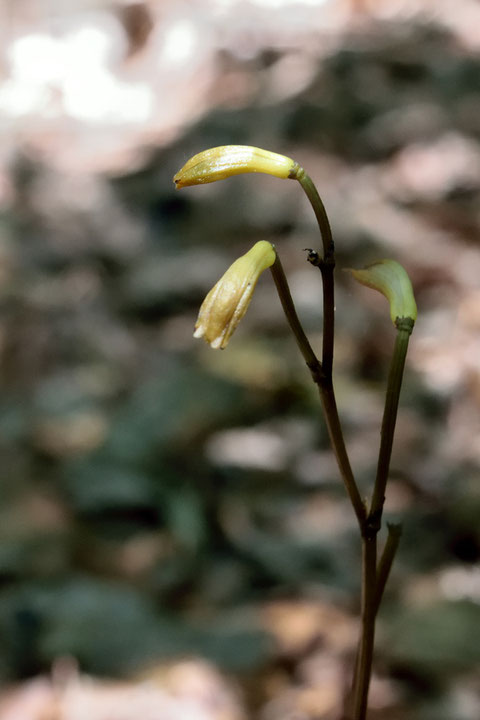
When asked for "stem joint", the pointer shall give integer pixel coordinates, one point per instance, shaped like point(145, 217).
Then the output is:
point(373, 524)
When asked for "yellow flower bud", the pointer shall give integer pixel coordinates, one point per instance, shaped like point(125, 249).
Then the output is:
point(391, 279)
point(227, 302)
point(222, 162)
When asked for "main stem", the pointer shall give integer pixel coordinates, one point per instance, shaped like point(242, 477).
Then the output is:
point(365, 657)
point(373, 580)
point(327, 396)
point(325, 388)
point(326, 265)
point(324, 378)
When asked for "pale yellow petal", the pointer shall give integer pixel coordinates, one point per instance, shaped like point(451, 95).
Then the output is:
point(227, 302)
point(224, 161)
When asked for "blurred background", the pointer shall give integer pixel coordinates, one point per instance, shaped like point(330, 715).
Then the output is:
point(175, 539)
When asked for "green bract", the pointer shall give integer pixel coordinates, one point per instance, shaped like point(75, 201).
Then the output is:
point(391, 279)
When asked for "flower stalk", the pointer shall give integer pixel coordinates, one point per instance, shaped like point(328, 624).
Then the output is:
point(394, 384)
point(288, 306)
point(228, 301)
point(325, 264)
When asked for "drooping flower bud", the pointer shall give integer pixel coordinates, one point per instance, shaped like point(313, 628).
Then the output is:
point(391, 279)
point(224, 161)
point(227, 302)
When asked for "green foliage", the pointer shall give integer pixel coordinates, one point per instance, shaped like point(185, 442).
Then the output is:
point(438, 638)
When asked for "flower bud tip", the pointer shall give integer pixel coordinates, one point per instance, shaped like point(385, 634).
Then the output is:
point(224, 161)
point(391, 279)
point(227, 302)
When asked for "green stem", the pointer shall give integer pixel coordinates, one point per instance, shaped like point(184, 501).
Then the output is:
point(404, 329)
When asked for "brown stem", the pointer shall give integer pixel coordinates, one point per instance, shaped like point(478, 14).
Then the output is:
point(395, 377)
point(326, 265)
point(325, 387)
point(365, 657)
point(386, 561)
point(286, 299)
point(335, 433)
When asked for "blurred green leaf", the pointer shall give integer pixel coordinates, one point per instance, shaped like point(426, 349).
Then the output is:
point(440, 638)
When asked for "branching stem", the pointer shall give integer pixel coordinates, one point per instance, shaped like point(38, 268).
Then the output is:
point(325, 387)
point(373, 579)
point(386, 561)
